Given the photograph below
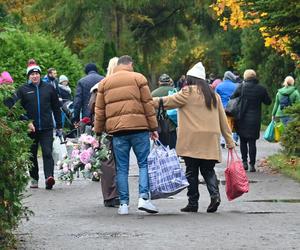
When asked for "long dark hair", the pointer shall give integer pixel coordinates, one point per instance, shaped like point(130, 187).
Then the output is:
point(208, 92)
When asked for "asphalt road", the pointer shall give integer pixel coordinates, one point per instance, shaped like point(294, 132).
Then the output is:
point(73, 217)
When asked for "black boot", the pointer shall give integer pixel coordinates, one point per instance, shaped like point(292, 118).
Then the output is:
point(190, 208)
point(115, 202)
point(252, 168)
point(245, 164)
point(213, 206)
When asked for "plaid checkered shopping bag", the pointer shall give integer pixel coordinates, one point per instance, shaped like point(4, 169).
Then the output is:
point(166, 177)
point(235, 175)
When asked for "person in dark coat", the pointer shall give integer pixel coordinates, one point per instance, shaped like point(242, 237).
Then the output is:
point(248, 127)
point(83, 94)
point(40, 102)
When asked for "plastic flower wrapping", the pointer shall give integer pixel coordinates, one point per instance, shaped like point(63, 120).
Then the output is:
point(85, 155)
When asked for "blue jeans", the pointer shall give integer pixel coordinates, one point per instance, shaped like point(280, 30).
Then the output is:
point(140, 144)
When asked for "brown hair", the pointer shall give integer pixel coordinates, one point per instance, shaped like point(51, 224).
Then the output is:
point(208, 92)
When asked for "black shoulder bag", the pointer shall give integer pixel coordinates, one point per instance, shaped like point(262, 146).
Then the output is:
point(236, 106)
point(163, 124)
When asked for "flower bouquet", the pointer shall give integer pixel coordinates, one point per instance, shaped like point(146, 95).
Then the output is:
point(85, 156)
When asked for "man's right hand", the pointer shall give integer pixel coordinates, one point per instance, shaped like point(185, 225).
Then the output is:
point(31, 128)
point(154, 135)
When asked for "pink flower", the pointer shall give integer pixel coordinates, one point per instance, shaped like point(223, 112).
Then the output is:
point(75, 153)
point(65, 170)
point(87, 139)
point(95, 144)
point(90, 139)
point(85, 155)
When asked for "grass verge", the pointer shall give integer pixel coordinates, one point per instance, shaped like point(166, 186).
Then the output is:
point(286, 165)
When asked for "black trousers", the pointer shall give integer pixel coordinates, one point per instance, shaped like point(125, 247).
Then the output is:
point(245, 143)
point(45, 139)
point(207, 171)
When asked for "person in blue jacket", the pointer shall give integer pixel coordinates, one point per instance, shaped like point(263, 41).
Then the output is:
point(39, 100)
point(225, 89)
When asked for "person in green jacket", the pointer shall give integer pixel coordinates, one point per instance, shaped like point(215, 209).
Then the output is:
point(165, 85)
point(286, 96)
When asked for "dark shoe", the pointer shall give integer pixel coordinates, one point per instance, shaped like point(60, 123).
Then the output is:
point(115, 202)
point(50, 182)
point(213, 206)
point(252, 168)
point(95, 178)
point(189, 208)
point(245, 164)
point(222, 145)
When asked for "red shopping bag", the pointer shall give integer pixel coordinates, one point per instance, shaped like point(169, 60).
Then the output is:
point(235, 175)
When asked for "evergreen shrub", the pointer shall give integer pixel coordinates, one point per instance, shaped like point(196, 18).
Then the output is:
point(14, 165)
point(19, 46)
point(290, 139)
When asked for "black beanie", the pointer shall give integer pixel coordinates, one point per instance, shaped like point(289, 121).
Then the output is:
point(90, 67)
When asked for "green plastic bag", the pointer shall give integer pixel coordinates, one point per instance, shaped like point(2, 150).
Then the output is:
point(269, 134)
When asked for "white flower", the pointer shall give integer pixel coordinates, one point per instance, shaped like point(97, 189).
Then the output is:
point(65, 165)
point(88, 166)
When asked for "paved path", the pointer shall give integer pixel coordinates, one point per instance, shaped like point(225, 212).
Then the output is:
point(73, 217)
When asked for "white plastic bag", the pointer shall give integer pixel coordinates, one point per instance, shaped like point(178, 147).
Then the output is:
point(59, 151)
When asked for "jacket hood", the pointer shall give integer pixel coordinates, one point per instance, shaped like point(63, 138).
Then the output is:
point(66, 88)
point(287, 90)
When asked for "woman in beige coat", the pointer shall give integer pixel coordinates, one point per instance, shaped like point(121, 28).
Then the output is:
point(201, 121)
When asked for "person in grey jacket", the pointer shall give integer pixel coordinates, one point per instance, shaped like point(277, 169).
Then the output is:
point(82, 96)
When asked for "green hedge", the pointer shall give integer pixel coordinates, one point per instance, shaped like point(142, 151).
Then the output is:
point(290, 139)
point(14, 165)
point(19, 46)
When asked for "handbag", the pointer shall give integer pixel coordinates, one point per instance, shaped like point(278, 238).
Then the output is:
point(166, 176)
point(163, 124)
point(235, 175)
point(235, 106)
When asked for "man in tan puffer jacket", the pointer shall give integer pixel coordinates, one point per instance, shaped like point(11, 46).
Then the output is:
point(124, 108)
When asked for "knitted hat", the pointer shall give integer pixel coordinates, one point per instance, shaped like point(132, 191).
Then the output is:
point(32, 67)
point(228, 75)
point(197, 71)
point(5, 77)
point(164, 78)
point(90, 67)
point(63, 78)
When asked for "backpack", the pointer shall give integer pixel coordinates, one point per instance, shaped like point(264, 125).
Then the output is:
point(172, 113)
point(284, 102)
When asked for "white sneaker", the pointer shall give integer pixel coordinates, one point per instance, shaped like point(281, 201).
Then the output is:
point(123, 209)
point(147, 206)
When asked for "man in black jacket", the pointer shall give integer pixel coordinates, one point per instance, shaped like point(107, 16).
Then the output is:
point(82, 96)
point(40, 100)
